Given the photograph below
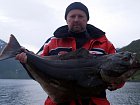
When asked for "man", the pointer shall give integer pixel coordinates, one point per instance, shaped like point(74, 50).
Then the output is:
point(76, 34)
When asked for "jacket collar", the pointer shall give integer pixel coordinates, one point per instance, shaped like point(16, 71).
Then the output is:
point(92, 31)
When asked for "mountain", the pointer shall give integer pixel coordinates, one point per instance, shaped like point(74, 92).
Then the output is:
point(134, 47)
point(10, 68)
point(2, 44)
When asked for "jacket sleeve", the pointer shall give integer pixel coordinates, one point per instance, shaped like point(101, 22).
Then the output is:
point(44, 50)
point(111, 48)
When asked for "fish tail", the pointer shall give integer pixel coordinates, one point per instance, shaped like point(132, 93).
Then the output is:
point(11, 49)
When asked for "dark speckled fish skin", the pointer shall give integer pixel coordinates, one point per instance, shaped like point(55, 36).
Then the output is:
point(76, 73)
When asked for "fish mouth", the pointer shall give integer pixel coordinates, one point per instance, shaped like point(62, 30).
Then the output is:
point(129, 56)
point(128, 60)
point(133, 61)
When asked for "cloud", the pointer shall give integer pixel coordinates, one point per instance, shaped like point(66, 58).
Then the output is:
point(34, 21)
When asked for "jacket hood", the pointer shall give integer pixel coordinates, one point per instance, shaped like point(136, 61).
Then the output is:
point(92, 31)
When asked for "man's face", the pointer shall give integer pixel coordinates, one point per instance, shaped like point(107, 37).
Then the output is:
point(76, 20)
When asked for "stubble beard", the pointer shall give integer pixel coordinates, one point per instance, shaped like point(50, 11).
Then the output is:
point(77, 29)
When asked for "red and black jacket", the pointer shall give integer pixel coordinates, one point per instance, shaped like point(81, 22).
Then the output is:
point(93, 40)
point(63, 41)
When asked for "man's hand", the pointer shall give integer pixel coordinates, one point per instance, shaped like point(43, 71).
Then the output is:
point(22, 57)
point(114, 86)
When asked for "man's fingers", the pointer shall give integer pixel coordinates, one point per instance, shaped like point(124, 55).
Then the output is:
point(21, 57)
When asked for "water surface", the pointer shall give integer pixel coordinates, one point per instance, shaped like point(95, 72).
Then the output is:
point(29, 92)
point(21, 92)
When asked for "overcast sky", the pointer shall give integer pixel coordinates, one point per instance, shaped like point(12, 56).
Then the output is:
point(34, 21)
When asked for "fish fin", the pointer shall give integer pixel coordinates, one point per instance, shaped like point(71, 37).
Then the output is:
point(11, 49)
point(80, 53)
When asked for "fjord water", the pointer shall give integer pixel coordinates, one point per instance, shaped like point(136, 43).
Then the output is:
point(21, 92)
point(29, 92)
